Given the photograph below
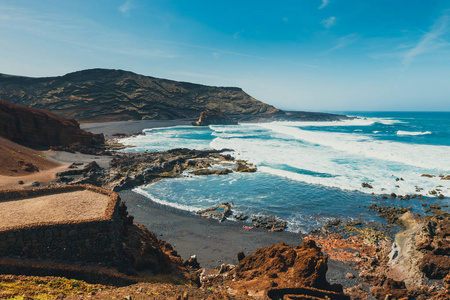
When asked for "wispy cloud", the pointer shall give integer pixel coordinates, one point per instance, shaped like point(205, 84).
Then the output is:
point(236, 34)
point(82, 33)
point(342, 43)
point(125, 7)
point(324, 3)
point(327, 23)
point(431, 40)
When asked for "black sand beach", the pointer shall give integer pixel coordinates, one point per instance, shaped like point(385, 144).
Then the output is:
point(214, 243)
point(129, 127)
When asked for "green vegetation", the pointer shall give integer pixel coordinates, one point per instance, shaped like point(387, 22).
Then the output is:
point(19, 287)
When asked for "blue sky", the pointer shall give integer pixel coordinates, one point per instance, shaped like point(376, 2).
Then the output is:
point(325, 55)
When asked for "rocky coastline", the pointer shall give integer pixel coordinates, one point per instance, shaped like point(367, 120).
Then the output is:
point(405, 257)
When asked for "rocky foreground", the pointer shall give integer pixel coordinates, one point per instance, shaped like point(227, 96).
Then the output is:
point(405, 258)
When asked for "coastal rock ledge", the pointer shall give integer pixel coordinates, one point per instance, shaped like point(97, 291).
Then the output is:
point(213, 117)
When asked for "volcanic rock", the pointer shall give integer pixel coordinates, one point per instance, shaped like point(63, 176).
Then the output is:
point(213, 117)
point(282, 266)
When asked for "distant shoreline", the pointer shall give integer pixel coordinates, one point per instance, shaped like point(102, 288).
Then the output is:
point(129, 127)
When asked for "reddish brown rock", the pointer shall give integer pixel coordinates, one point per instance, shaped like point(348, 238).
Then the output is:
point(396, 290)
point(435, 246)
point(39, 128)
point(281, 266)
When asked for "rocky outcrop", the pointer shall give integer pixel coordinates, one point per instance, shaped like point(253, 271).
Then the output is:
point(281, 266)
point(114, 95)
point(434, 244)
point(213, 117)
point(39, 128)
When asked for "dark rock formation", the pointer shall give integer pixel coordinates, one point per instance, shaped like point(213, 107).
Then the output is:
point(213, 117)
point(39, 128)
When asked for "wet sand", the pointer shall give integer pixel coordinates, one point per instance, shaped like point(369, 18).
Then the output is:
point(214, 243)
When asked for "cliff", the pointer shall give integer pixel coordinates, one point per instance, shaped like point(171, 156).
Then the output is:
point(33, 127)
point(113, 95)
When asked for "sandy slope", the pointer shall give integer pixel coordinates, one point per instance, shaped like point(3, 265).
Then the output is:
point(13, 158)
point(48, 162)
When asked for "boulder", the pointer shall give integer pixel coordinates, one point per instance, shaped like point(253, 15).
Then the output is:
point(283, 266)
point(213, 117)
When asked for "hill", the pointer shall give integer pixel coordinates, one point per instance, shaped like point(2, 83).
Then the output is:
point(33, 127)
point(114, 95)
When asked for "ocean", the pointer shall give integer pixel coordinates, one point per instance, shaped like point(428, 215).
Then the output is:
point(311, 172)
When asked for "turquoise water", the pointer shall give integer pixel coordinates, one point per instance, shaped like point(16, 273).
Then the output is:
point(309, 172)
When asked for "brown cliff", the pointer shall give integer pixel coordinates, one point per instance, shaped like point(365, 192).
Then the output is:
point(39, 128)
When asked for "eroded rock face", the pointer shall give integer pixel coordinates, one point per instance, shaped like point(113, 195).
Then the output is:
point(435, 245)
point(39, 128)
point(213, 117)
point(282, 266)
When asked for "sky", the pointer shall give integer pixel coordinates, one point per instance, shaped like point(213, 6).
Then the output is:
point(316, 55)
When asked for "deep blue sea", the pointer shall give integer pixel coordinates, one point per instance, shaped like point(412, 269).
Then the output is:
point(309, 172)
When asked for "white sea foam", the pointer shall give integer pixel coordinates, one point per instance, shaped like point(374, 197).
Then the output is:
point(141, 191)
point(401, 132)
point(423, 156)
point(282, 149)
point(352, 122)
point(349, 159)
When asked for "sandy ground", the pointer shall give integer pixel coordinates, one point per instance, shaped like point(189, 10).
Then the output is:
point(128, 127)
point(18, 160)
point(62, 160)
point(77, 205)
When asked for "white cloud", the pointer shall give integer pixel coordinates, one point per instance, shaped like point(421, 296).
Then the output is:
point(236, 34)
point(327, 23)
point(324, 3)
point(343, 42)
point(125, 7)
point(430, 41)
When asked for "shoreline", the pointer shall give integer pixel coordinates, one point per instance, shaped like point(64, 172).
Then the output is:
point(212, 242)
point(192, 234)
point(215, 243)
point(130, 127)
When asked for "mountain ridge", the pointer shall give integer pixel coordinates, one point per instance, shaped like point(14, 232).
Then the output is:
point(103, 95)
point(113, 95)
